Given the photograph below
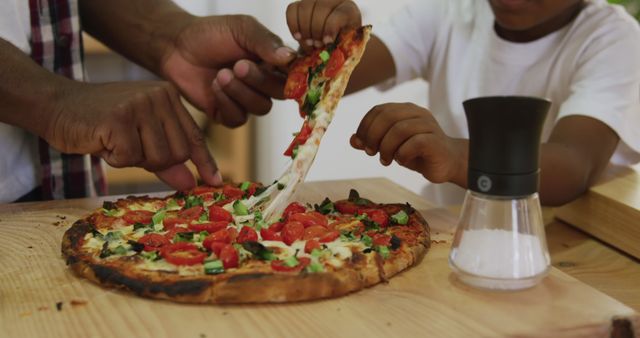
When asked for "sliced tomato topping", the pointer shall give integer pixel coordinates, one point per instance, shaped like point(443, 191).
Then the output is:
point(192, 213)
point(233, 234)
point(216, 247)
point(315, 231)
point(138, 216)
point(310, 245)
point(153, 242)
point(296, 85)
point(251, 190)
point(217, 213)
point(276, 227)
point(310, 219)
point(229, 257)
point(247, 234)
point(210, 227)
point(347, 207)
point(335, 63)
point(204, 190)
point(292, 231)
point(329, 236)
point(376, 215)
point(220, 236)
point(231, 192)
point(172, 232)
point(278, 265)
point(170, 223)
point(293, 208)
point(300, 139)
point(381, 239)
point(182, 253)
point(270, 235)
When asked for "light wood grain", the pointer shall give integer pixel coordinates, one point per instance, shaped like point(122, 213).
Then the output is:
point(424, 301)
point(610, 211)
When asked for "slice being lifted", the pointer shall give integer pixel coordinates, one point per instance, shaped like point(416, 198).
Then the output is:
point(316, 82)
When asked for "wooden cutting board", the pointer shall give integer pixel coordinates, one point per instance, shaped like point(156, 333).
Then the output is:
point(609, 211)
point(424, 301)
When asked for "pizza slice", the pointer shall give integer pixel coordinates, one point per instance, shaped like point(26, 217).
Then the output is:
point(317, 82)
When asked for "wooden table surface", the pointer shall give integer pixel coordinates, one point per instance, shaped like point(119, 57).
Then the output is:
point(39, 296)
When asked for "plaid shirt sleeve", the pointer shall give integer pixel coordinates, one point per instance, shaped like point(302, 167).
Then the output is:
point(56, 44)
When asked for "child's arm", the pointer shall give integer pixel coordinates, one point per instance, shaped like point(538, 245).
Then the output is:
point(575, 155)
point(315, 23)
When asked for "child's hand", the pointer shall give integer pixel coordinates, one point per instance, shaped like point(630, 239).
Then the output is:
point(411, 136)
point(315, 23)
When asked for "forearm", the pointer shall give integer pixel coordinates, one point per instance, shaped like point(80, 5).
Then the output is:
point(375, 67)
point(141, 30)
point(27, 91)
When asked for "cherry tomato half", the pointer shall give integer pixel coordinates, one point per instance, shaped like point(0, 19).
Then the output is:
point(329, 236)
point(138, 216)
point(153, 242)
point(296, 85)
point(247, 234)
point(182, 253)
point(376, 215)
point(192, 213)
point(292, 231)
point(315, 231)
point(231, 192)
point(229, 257)
point(310, 219)
point(300, 139)
point(347, 207)
point(210, 227)
point(335, 63)
point(293, 208)
point(310, 245)
point(217, 213)
point(278, 265)
point(270, 235)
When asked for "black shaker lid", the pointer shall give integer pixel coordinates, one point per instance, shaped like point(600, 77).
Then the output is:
point(504, 143)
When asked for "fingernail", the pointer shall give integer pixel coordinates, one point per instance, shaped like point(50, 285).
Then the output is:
point(297, 36)
point(215, 85)
point(357, 142)
point(224, 77)
point(369, 151)
point(241, 68)
point(308, 42)
point(285, 52)
point(217, 178)
point(327, 40)
point(384, 162)
point(317, 44)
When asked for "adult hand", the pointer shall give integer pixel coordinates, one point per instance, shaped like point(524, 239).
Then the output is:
point(411, 136)
point(202, 59)
point(139, 124)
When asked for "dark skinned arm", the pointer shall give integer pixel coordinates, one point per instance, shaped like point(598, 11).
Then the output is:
point(571, 160)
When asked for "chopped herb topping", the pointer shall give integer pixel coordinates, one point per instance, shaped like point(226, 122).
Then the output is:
point(291, 261)
point(259, 250)
point(383, 251)
point(324, 56)
point(120, 250)
point(158, 217)
point(192, 201)
point(183, 237)
point(240, 209)
point(326, 207)
point(213, 267)
point(354, 197)
point(400, 217)
point(281, 186)
point(245, 185)
point(366, 240)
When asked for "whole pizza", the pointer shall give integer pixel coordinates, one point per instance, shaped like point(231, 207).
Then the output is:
point(206, 246)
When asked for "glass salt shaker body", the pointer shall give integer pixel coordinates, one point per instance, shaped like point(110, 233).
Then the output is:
point(500, 240)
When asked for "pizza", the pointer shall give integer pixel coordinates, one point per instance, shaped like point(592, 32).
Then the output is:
point(206, 246)
point(317, 82)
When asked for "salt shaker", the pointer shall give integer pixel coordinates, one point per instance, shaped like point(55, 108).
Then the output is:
point(500, 239)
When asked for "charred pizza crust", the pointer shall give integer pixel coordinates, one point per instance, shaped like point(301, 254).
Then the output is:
point(253, 282)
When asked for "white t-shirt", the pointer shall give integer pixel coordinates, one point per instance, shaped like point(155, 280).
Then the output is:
point(19, 164)
point(590, 67)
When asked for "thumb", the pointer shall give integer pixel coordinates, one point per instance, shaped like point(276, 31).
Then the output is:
point(257, 39)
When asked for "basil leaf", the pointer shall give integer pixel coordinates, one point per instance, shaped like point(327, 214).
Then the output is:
point(183, 237)
point(326, 207)
point(106, 205)
point(192, 201)
point(259, 251)
point(354, 197)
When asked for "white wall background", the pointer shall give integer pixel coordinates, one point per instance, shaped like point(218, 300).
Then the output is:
point(336, 159)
